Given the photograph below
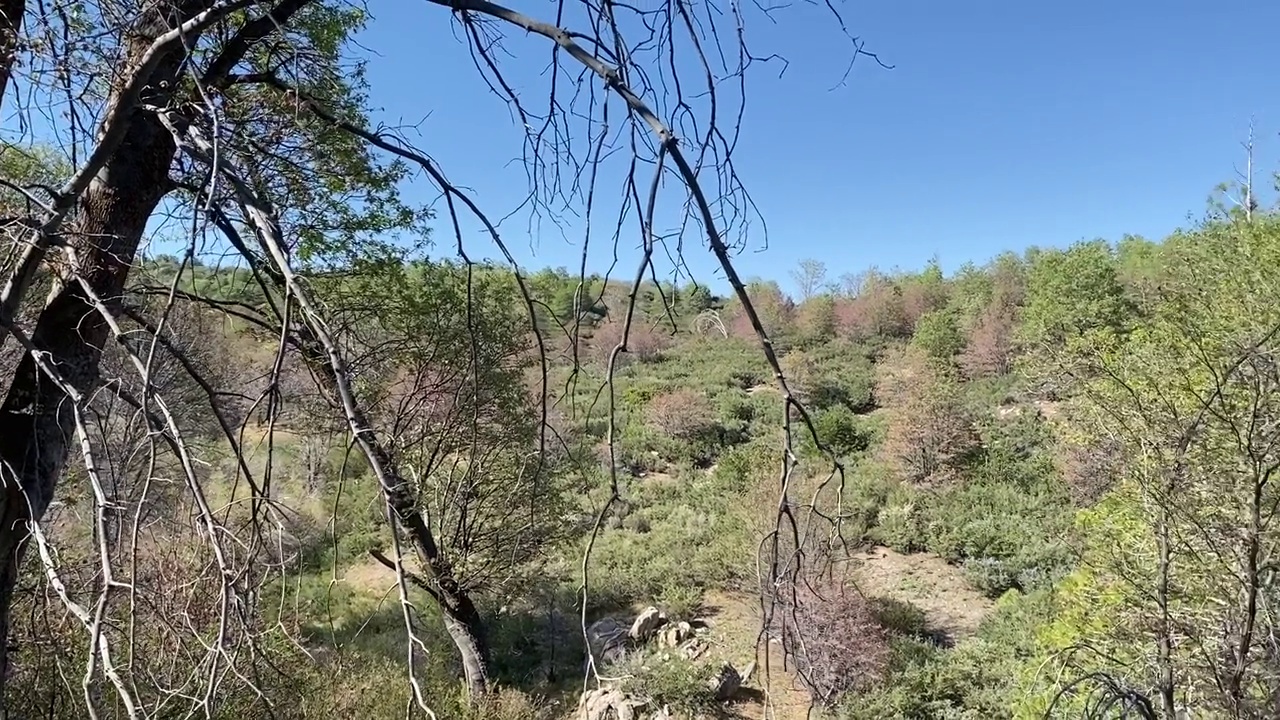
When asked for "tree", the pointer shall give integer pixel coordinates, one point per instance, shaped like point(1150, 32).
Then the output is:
point(1174, 593)
point(809, 276)
point(775, 310)
point(878, 310)
point(100, 212)
point(938, 334)
point(1073, 293)
point(988, 352)
point(816, 318)
point(463, 424)
point(930, 434)
point(697, 298)
point(250, 122)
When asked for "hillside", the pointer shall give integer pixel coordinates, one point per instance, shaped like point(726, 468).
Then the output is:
point(465, 360)
point(1019, 473)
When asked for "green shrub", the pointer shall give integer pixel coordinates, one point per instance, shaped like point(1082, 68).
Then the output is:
point(637, 396)
point(900, 522)
point(680, 603)
point(670, 680)
point(898, 617)
point(978, 679)
point(685, 548)
point(938, 334)
point(1006, 536)
point(739, 465)
point(839, 429)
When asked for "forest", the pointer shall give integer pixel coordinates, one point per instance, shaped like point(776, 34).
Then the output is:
point(276, 443)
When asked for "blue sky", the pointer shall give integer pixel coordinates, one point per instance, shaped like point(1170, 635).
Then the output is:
point(1002, 125)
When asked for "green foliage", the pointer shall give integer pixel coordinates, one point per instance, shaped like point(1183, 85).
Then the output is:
point(839, 429)
point(980, 678)
point(1074, 293)
point(688, 544)
point(26, 166)
point(563, 297)
point(835, 373)
point(938, 334)
point(697, 298)
point(898, 617)
point(1148, 332)
point(670, 679)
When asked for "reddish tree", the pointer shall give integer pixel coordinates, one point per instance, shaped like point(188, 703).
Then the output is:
point(776, 311)
point(989, 351)
point(930, 431)
point(878, 311)
point(645, 342)
point(682, 414)
point(918, 300)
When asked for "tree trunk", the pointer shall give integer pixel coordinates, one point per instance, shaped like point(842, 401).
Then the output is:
point(321, 352)
point(11, 12)
point(35, 422)
point(466, 629)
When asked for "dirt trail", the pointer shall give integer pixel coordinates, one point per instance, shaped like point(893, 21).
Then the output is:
point(951, 605)
point(734, 619)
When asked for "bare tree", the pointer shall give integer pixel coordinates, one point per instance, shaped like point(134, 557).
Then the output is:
point(810, 277)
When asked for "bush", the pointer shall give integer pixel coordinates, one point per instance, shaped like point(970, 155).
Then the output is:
point(832, 635)
point(979, 679)
point(1010, 533)
point(682, 414)
point(670, 680)
point(837, 373)
point(839, 429)
point(739, 465)
point(898, 617)
point(899, 524)
point(684, 548)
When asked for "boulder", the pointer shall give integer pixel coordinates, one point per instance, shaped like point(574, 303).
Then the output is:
point(673, 635)
point(608, 640)
point(608, 704)
point(693, 648)
point(724, 685)
point(649, 620)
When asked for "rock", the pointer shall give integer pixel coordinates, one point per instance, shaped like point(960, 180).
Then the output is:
point(608, 704)
point(650, 619)
point(693, 649)
point(608, 639)
point(596, 704)
point(673, 635)
point(663, 714)
point(726, 683)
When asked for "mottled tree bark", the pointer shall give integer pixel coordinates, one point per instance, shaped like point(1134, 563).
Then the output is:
point(11, 12)
point(36, 424)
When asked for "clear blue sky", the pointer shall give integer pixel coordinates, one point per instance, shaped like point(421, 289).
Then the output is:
point(1002, 125)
